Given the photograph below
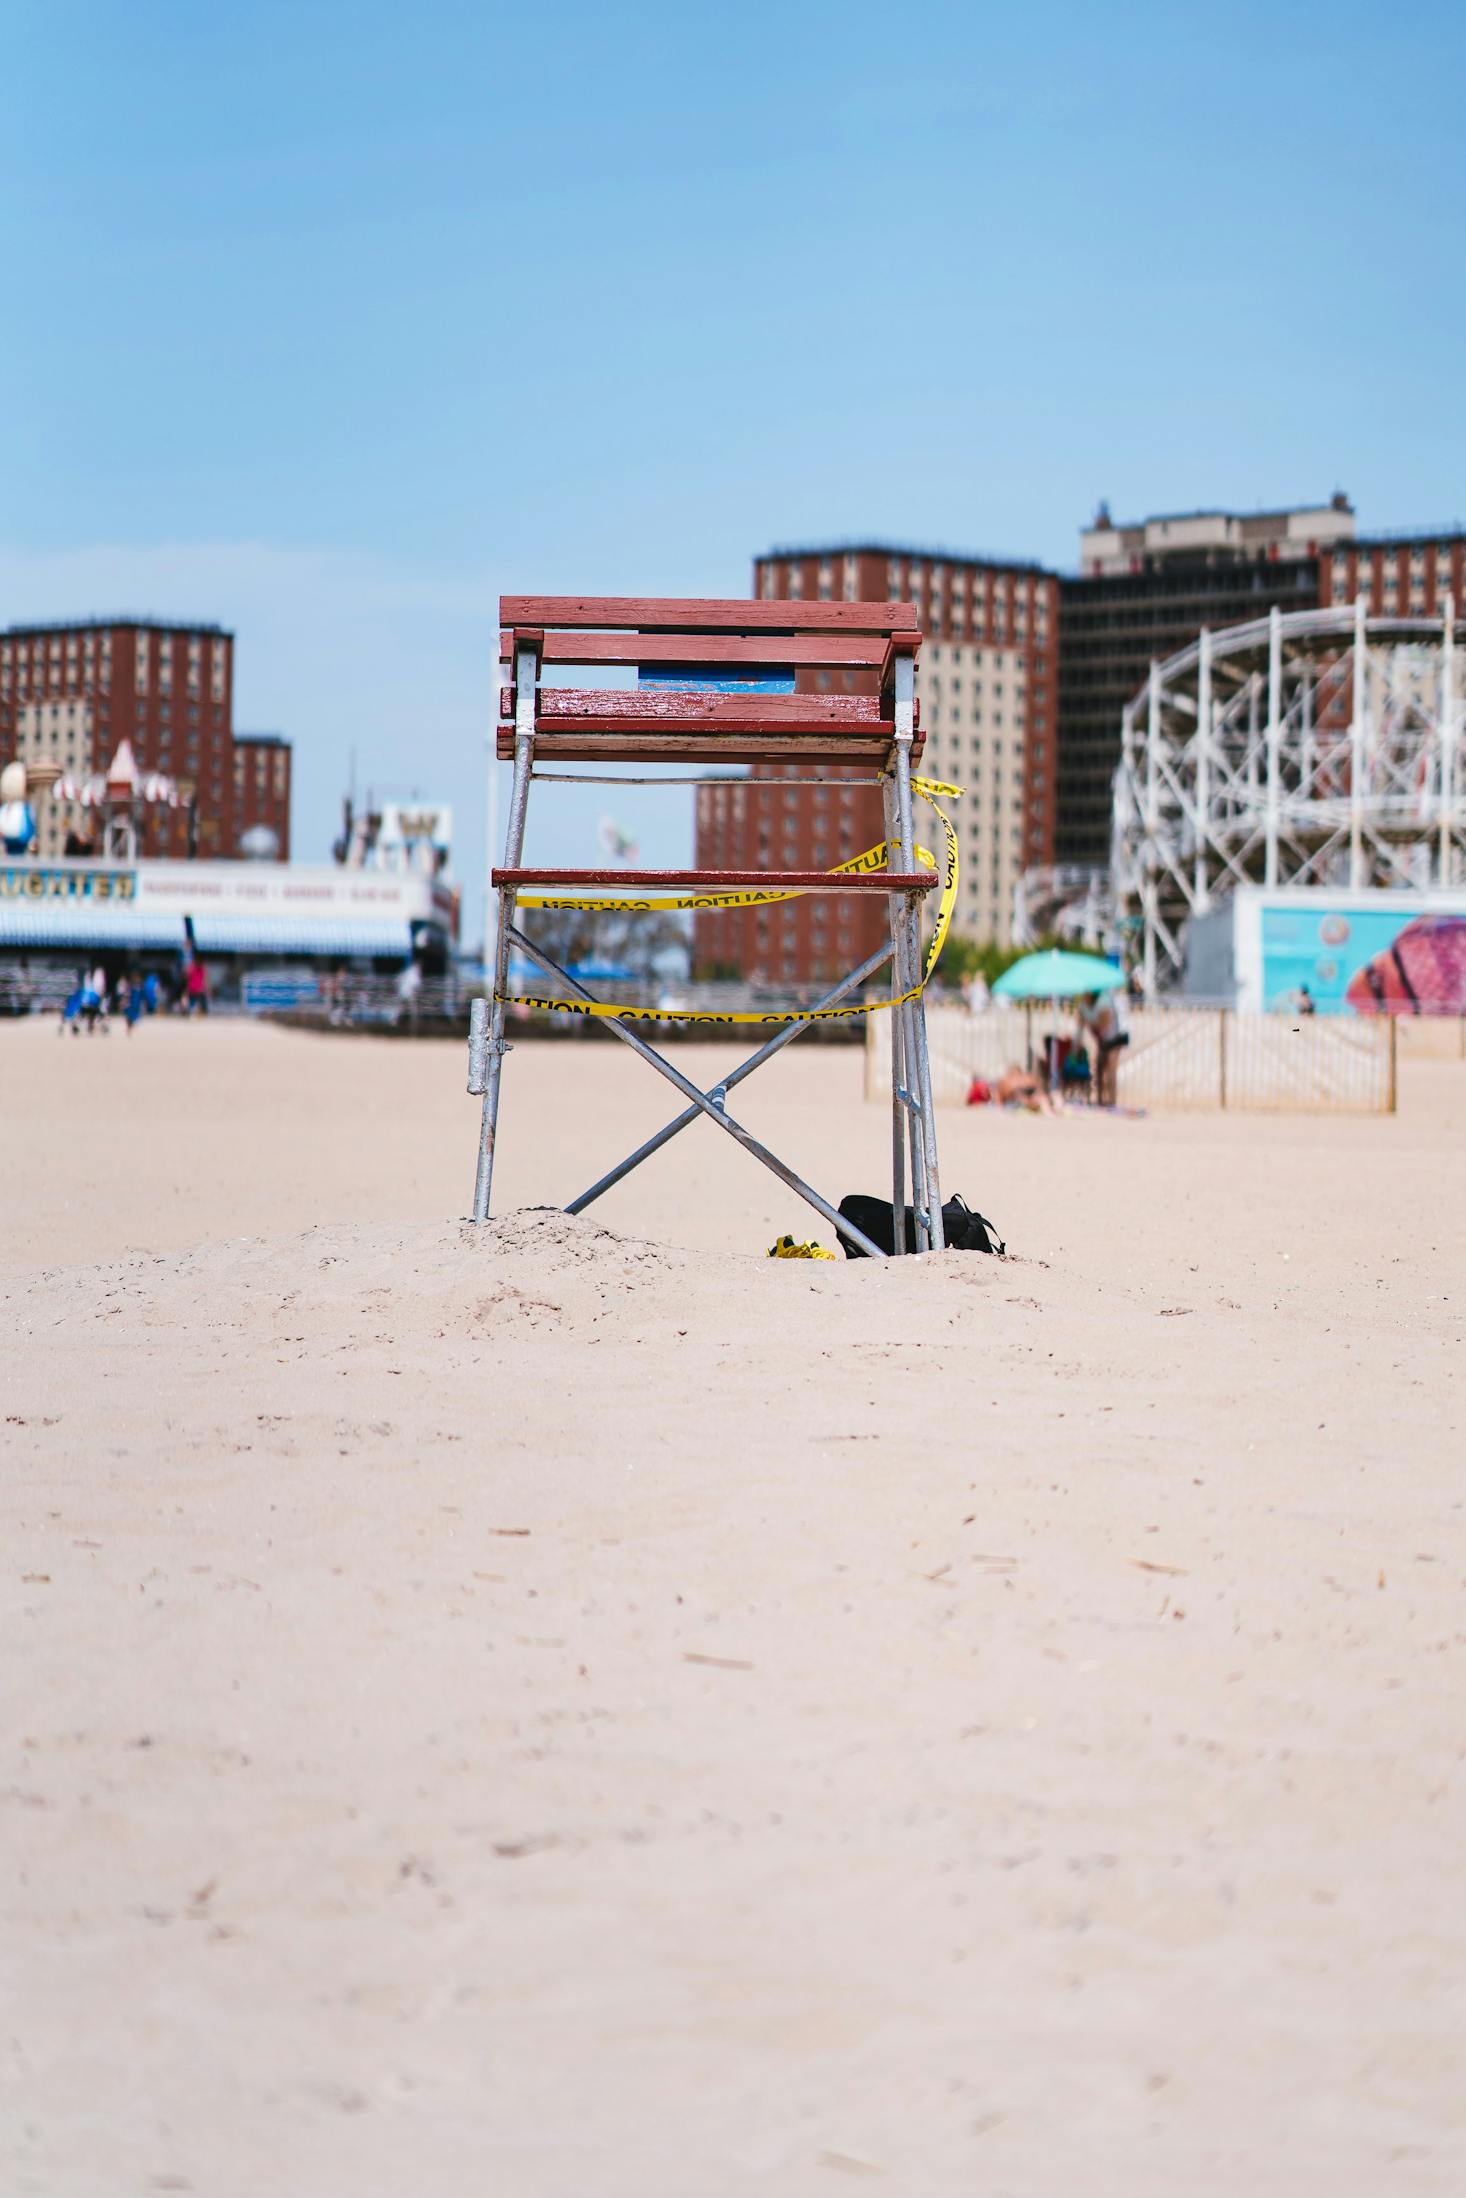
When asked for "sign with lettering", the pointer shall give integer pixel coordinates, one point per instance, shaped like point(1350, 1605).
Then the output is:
point(39, 881)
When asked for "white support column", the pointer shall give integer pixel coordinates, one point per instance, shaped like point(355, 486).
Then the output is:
point(1152, 823)
point(1357, 879)
point(925, 1181)
point(1153, 751)
point(491, 842)
point(1122, 810)
point(1201, 884)
point(1447, 737)
point(1147, 964)
point(1253, 775)
point(526, 692)
point(898, 1029)
point(1274, 743)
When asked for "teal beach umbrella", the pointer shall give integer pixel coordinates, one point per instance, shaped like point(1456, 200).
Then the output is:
point(1057, 975)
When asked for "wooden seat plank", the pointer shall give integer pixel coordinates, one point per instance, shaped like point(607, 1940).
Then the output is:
point(673, 724)
point(696, 708)
point(694, 614)
point(868, 749)
point(834, 650)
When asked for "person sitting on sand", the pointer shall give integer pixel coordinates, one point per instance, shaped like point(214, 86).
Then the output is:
point(1074, 1071)
point(1019, 1087)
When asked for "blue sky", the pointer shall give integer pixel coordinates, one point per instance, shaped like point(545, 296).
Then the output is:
point(331, 321)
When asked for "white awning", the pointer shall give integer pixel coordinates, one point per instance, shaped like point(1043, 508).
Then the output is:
point(27, 923)
point(349, 937)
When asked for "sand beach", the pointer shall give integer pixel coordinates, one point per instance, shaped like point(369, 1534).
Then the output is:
point(577, 1709)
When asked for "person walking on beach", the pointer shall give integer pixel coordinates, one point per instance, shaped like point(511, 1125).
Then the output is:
point(87, 1003)
point(1099, 1019)
point(409, 992)
point(196, 988)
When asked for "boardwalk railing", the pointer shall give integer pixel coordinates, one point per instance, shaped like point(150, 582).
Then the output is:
point(348, 1000)
point(358, 1002)
point(1183, 1058)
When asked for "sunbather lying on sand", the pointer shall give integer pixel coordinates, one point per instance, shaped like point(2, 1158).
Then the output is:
point(1019, 1087)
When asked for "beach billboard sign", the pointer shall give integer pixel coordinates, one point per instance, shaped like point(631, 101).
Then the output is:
point(1366, 953)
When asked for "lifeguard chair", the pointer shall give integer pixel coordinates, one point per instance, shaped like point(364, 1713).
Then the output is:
point(707, 668)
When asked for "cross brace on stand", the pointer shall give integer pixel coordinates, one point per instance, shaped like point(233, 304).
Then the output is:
point(705, 640)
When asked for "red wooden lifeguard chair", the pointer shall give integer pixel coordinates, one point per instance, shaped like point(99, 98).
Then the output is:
point(706, 648)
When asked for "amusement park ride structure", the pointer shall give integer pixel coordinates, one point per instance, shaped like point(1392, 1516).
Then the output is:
point(45, 803)
point(1317, 747)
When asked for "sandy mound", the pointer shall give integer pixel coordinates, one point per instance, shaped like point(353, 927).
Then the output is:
point(348, 1286)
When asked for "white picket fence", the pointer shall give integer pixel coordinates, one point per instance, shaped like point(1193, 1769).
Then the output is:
point(1182, 1058)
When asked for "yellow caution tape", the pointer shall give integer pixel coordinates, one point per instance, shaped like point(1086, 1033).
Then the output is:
point(786, 1248)
point(872, 858)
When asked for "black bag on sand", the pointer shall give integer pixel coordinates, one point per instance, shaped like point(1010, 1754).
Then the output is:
point(964, 1230)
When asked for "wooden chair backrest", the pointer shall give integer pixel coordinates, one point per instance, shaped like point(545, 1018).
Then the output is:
point(712, 640)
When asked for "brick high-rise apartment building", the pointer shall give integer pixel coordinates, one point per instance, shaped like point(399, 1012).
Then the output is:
point(262, 788)
point(987, 687)
point(1407, 574)
point(71, 692)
